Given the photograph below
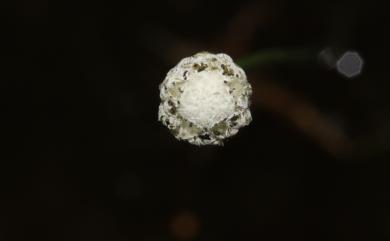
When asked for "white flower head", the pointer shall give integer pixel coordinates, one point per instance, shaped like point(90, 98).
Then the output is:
point(205, 99)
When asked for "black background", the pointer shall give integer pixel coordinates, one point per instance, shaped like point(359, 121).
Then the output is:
point(84, 157)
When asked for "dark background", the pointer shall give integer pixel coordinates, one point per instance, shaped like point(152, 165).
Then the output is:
point(84, 157)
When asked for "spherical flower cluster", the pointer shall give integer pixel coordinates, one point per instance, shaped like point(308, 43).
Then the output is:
point(205, 99)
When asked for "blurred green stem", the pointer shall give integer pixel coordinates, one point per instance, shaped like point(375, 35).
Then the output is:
point(276, 56)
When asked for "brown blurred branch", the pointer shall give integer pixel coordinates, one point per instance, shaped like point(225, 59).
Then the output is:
point(303, 115)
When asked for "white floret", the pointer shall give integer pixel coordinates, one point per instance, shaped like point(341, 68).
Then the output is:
point(205, 99)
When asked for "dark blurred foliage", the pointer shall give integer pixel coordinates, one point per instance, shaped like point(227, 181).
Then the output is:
point(84, 158)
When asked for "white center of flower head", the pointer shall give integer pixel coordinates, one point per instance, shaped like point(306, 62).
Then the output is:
point(206, 99)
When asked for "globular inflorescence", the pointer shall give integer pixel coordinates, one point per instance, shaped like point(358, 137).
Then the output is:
point(205, 99)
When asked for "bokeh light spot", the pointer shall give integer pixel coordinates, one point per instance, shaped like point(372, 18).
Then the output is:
point(185, 226)
point(350, 64)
